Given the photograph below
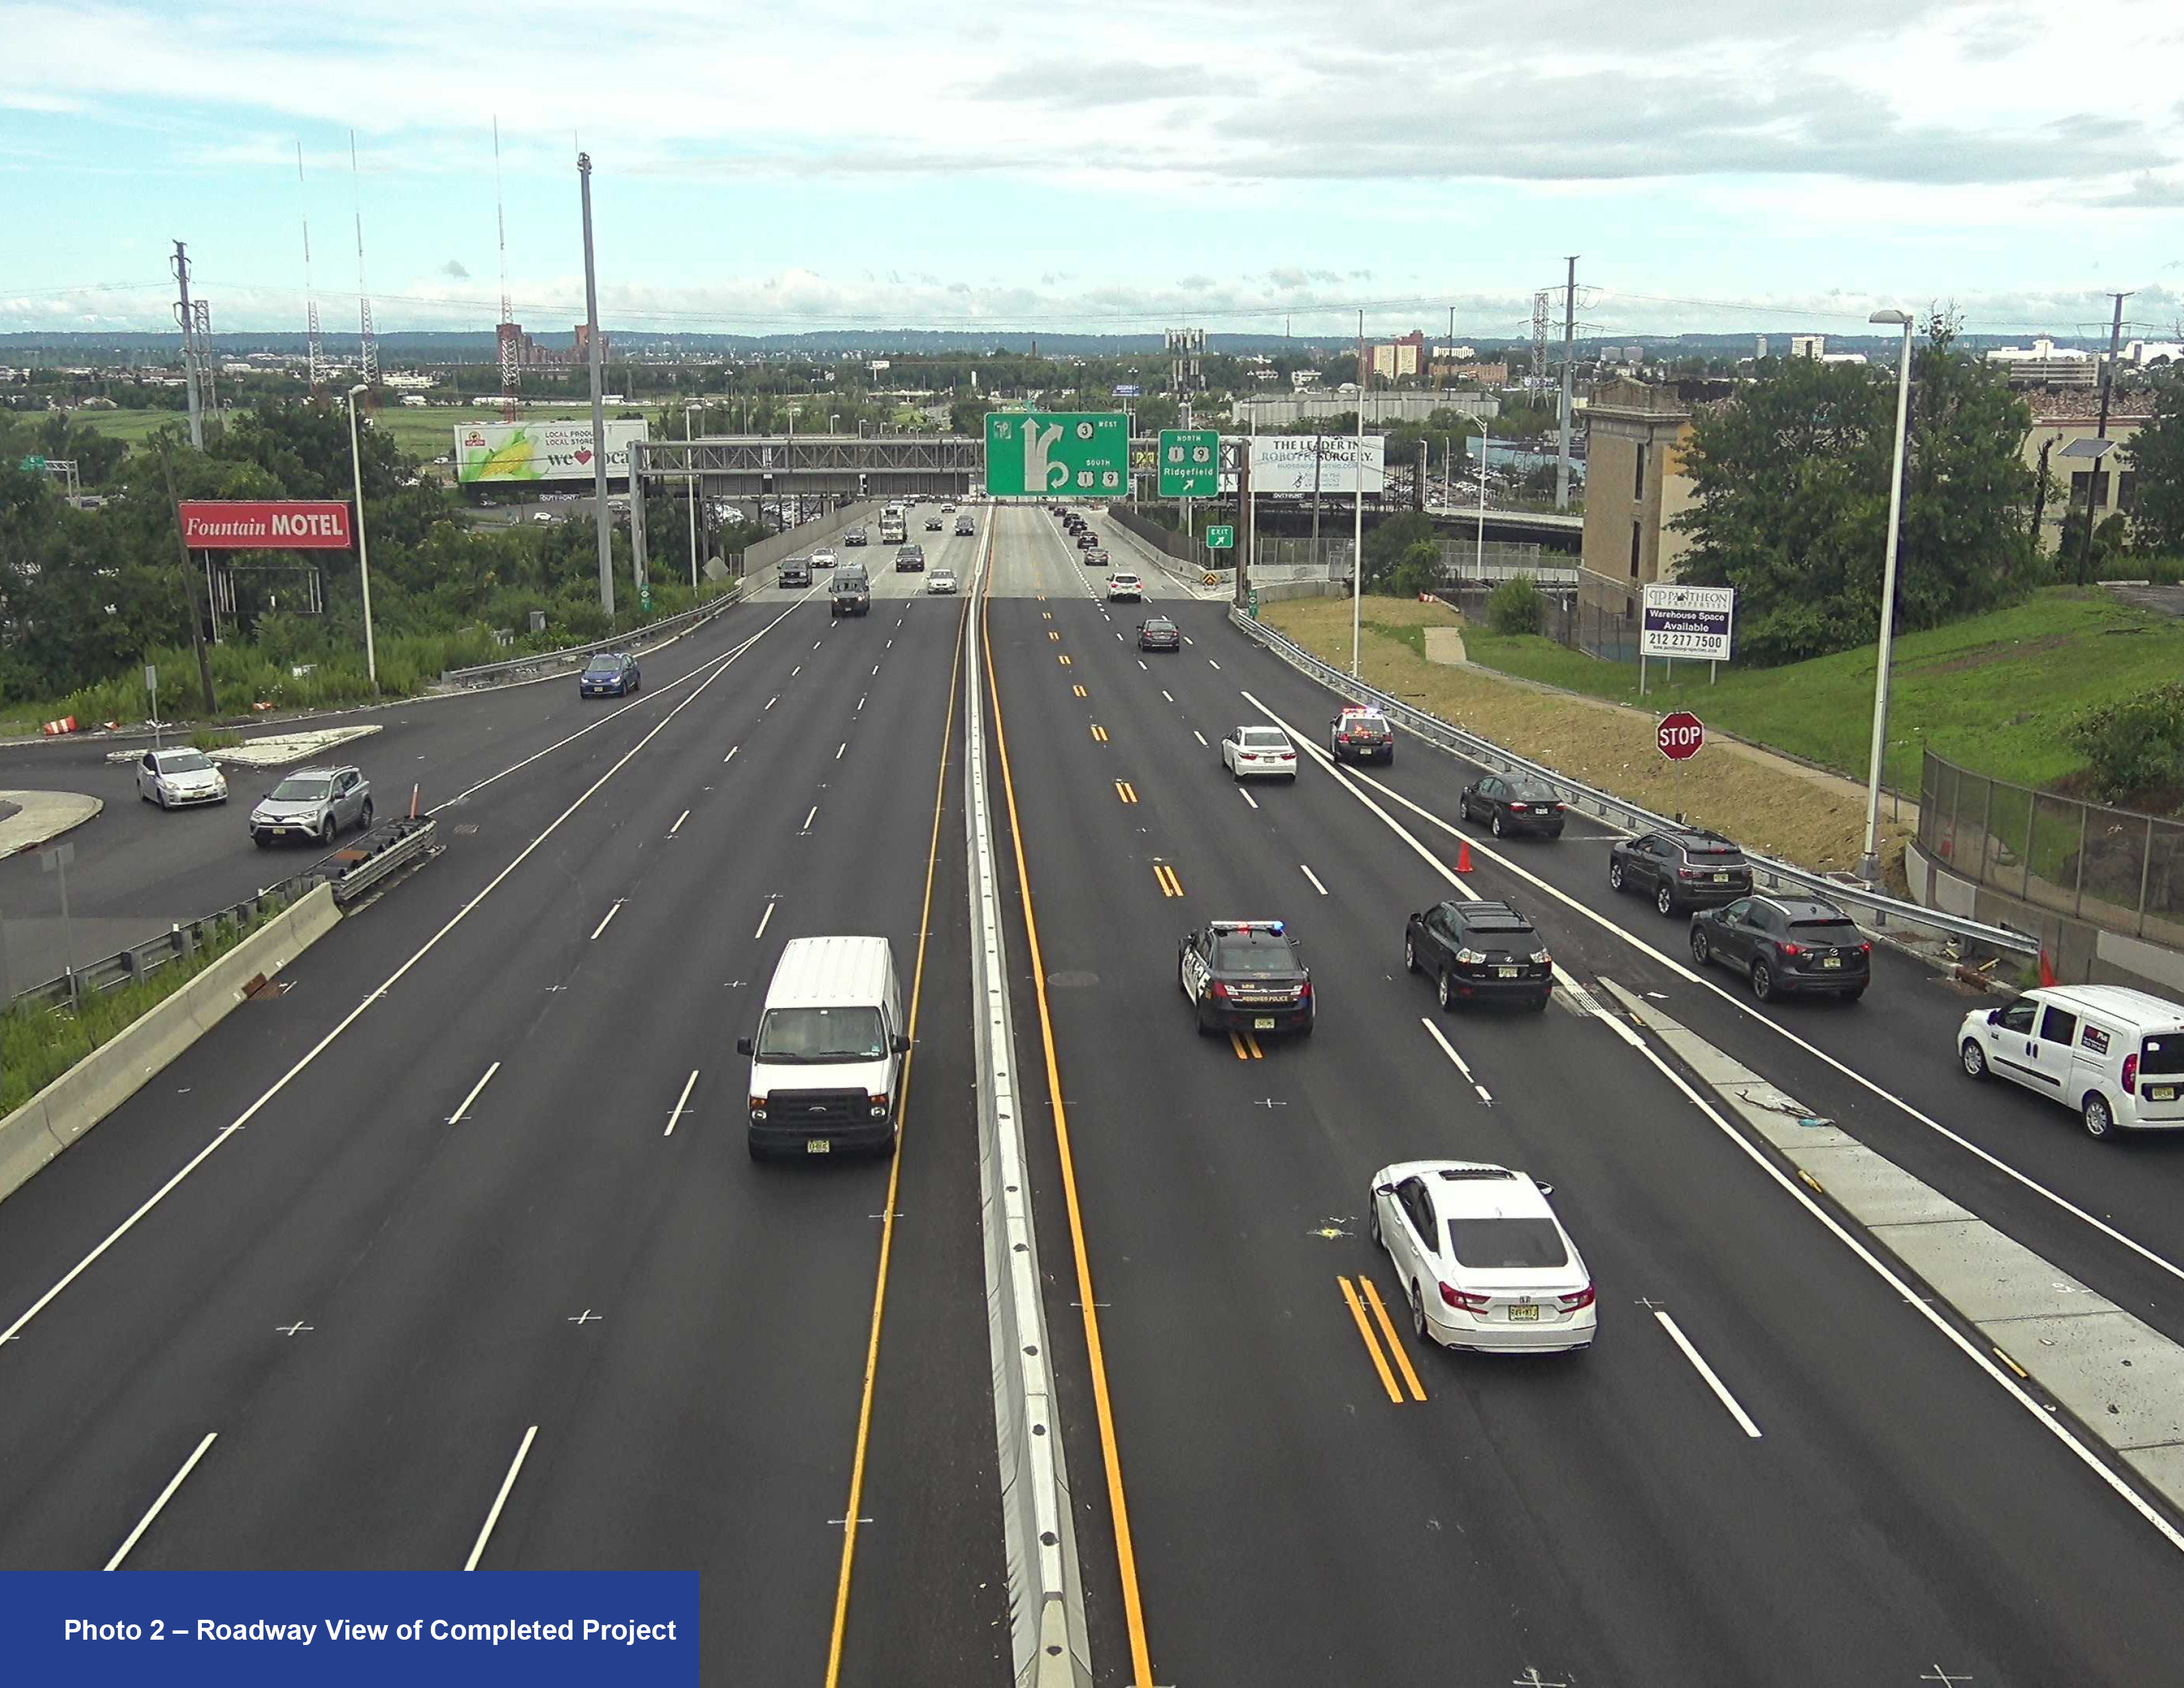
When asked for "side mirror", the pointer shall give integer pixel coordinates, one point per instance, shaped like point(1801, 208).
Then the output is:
point(1384, 1189)
point(1544, 1188)
point(901, 1044)
point(743, 1045)
point(1994, 1016)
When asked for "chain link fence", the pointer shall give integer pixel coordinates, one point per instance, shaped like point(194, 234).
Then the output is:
point(2118, 869)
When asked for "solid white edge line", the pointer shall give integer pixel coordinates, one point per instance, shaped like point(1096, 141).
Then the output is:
point(762, 920)
point(1448, 1049)
point(456, 1117)
point(679, 820)
point(1684, 972)
point(1700, 1366)
point(165, 1495)
point(1314, 877)
point(507, 1483)
point(606, 920)
point(689, 1084)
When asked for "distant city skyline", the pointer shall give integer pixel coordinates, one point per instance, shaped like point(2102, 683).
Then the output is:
point(1763, 169)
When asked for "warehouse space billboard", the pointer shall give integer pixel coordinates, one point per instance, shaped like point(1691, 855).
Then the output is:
point(539, 450)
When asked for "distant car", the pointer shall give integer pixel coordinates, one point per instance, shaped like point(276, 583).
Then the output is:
point(1680, 869)
point(1258, 753)
point(823, 558)
point(1125, 587)
point(545, 516)
point(312, 803)
point(852, 593)
point(965, 528)
point(1087, 540)
point(1246, 976)
point(933, 524)
point(618, 504)
point(610, 674)
point(1360, 734)
point(855, 536)
point(910, 559)
point(173, 778)
point(1511, 803)
point(794, 572)
point(1479, 952)
point(940, 581)
point(948, 509)
point(1786, 946)
point(1095, 559)
point(1483, 1260)
point(1157, 632)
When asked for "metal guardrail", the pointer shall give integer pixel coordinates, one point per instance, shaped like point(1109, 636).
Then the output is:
point(1872, 909)
point(568, 656)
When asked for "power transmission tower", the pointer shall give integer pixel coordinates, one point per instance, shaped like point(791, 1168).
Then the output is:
point(186, 319)
point(1569, 390)
point(2093, 476)
point(1536, 378)
point(511, 374)
point(315, 349)
point(368, 339)
point(201, 323)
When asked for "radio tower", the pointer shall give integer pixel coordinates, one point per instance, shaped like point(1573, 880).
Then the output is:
point(368, 339)
point(1539, 371)
point(510, 368)
point(316, 351)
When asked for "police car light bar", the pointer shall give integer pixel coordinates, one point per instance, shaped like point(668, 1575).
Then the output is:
point(1274, 927)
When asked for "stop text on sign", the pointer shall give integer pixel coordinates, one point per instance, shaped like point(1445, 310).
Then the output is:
point(266, 525)
point(1680, 735)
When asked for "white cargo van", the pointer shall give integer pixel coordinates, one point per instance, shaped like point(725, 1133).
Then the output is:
point(2113, 1057)
point(826, 1059)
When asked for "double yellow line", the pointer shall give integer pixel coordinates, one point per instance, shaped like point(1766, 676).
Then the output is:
point(1123, 788)
point(1395, 1349)
point(1169, 884)
point(1246, 1045)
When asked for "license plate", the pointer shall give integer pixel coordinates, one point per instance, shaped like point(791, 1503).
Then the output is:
point(1506, 972)
point(1264, 1024)
point(819, 1145)
point(2161, 1092)
point(278, 832)
point(1523, 1311)
point(1831, 961)
point(1721, 878)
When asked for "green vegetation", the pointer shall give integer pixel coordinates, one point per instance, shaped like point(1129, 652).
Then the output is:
point(2137, 744)
point(1513, 607)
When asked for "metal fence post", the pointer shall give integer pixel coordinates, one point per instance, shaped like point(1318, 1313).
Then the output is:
point(1956, 817)
point(1986, 834)
point(2032, 826)
point(2085, 831)
point(2145, 868)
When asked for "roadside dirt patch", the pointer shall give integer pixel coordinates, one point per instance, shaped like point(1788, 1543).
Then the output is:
point(1817, 821)
point(2011, 652)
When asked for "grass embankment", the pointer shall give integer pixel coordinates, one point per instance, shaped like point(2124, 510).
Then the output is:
point(38, 1045)
point(1759, 801)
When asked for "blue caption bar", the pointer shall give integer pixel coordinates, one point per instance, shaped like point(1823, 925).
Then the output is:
point(423, 1629)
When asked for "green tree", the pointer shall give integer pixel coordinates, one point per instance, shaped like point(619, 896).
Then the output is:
point(1514, 606)
point(1388, 543)
point(1418, 570)
point(2156, 457)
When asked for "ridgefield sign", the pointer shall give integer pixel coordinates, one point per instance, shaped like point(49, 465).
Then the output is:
point(266, 525)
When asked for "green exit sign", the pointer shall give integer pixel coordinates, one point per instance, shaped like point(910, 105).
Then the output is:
point(36, 464)
point(1221, 538)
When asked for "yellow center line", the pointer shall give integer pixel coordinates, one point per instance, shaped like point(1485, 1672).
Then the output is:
point(1372, 1344)
point(1080, 691)
point(1063, 659)
point(1126, 1557)
point(1099, 733)
point(894, 1176)
point(1053, 633)
point(1125, 791)
point(1394, 1345)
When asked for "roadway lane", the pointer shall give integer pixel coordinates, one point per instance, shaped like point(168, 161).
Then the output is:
point(686, 1332)
point(1602, 1518)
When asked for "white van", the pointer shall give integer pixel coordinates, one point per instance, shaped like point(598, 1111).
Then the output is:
point(826, 1059)
point(2114, 1056)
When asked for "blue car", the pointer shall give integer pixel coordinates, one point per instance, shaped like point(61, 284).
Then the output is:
point(610, 676)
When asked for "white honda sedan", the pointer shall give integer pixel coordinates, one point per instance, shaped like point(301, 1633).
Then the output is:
point(1484, 1261)
point(170, 778)
point(1258, 753)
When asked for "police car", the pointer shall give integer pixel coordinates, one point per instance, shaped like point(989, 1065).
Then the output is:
point(1360, 734)
point(1246, 976)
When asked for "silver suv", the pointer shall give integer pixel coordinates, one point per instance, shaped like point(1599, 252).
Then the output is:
point(312, 803)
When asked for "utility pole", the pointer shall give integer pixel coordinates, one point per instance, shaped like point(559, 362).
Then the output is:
point(1569, 386)
point(179, 264)
point(598, 406)
point(2093, 476)
point(190, 591)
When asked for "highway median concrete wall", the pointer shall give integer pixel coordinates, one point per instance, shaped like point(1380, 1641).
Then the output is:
point(761, 559)
point(109, 1075)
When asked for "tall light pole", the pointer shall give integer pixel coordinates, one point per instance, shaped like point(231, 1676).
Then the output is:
point(1358, 542)
point(1483, 438)
point(691, 451)
point(1868, 867)
point(362, 557)
point(598, 406)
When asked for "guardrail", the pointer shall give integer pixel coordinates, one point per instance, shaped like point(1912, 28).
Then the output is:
point(568, 656)
point(1873, 909)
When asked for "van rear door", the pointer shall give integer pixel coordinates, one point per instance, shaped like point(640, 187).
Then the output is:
point(2160, 1079)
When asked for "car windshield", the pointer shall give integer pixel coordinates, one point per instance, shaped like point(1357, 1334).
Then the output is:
point(1502, 1245)
point(1531, 791)
point(1825, 929)
point(2163, 1056)
point(1716, 855)
point(1253, 954)
point(183, 762)
point(1364, 723)
point(298, 790)
point(817, 1036)
point(607, 665)
point(1265, 738)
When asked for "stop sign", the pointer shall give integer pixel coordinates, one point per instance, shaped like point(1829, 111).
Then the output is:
point(1681, 736)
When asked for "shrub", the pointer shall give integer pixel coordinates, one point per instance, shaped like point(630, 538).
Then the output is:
point(1514, 606)
point(2137, 744)
point(1418, 570)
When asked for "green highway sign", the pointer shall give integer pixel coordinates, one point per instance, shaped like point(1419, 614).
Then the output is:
point(1190, 463)
point(1221, 538)
point(34, 463)
point(645, 599)
point(1039, 454)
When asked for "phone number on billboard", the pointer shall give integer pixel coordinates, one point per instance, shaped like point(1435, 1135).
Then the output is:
point(1660, 640)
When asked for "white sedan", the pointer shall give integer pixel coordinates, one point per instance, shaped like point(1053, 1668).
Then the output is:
point(1484, 1262)
point(940, 581)
point(1123, 586)
point(1258, 752)
point(171, 778)
point(823, 558)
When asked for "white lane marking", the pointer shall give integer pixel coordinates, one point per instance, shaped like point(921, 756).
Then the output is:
point(1484, 1095)
point(1141, 661)
point(679, 820)
point(876, 668)
point(356, 1013)
point(1314, 877)
point(1187, 639)
point(1684, 972)
point(771, 702)
point(166, 1495)
point(689, 1084)
point(762, 920)
point(456, 1117)
point(606, 919)
point(1700, 1366)
point(807, 819)
point(889, 645)
point(507, 1483)
point(1199, 736)
point(1449, 1049)
point(1169, 695)
point(1210, 663)
point(842, 746)
point(796, 670)
point(861, 703)
point(1247, 797)
point(816, 643)
point(730, 757)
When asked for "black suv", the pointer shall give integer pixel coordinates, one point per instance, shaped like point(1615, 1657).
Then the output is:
point(910, 559)
point(1479, 952)
point(1513, 803)
point(795, 571)
point(1246, 976)
point(1786, 946)
point(1680, 869)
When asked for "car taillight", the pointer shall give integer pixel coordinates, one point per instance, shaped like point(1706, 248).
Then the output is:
point(1304, 990)
point(1520, 809)
point(1791, 949)
point(1463, 1300)
point(1865, 948)
point(2130, 1075)
point(1582, 1299)
point(1218, 989)
point(1687, 873)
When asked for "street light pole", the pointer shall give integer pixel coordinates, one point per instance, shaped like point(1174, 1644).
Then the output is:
point(363, 557)
point(691, 451)
point(1483, 438)
point(1358, 542)
point(1868, 867)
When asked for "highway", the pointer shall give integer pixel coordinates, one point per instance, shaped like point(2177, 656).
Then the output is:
point(454, 1252)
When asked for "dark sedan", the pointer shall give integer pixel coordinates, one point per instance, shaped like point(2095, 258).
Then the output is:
point(1159, 633)
point(1507, 805)
point(1087, 539)
point(614, 675)
point(1785, 946)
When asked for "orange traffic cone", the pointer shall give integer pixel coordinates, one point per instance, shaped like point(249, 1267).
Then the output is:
point(2047, 967)
point(1464, 856)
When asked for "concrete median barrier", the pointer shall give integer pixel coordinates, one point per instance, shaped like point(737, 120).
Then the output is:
point(110, 1074)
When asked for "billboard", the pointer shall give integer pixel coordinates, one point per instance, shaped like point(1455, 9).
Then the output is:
point(1688, 620)
point(1284, 464)
point(539, 450)
point(264, 525)
point(1129, 391)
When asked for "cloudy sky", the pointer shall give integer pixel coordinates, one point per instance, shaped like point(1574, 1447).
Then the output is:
point(1124, 166)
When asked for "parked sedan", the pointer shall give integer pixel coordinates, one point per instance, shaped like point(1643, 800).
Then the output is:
point(1159, 633)
point(611, 674)
point(1786, 946)
point(312, 803)
point(1259, 752)
point(171, 778)
point(1510, 804)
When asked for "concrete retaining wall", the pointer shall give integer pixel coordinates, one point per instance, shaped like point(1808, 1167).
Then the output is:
point(109, 1075)
point(761, 559)
point(2080, 952)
